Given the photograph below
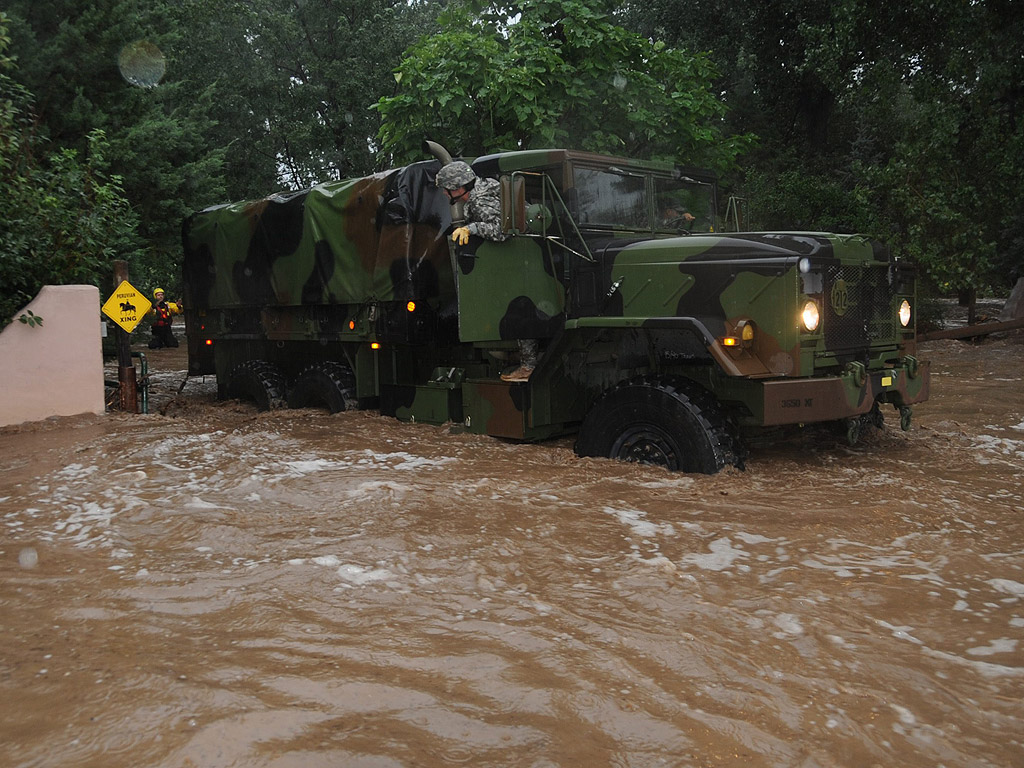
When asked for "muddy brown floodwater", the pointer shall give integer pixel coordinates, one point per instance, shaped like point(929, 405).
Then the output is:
point(211, 586)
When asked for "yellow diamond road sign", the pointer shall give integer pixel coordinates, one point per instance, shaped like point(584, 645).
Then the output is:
point(127, 306)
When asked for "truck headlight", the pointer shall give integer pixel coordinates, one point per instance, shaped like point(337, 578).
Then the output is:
point(905, 313)
point(810, 316)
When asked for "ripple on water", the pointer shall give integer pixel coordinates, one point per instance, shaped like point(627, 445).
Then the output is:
point(302, 589)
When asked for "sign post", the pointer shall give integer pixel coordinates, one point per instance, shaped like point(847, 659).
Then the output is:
point(126, 307)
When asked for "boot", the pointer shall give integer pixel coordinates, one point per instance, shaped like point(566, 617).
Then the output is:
point(522, 373)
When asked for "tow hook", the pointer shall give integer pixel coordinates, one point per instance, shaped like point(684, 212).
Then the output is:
point(910, 364)
point(906, 412)
point(852, 430)
point(857, 372)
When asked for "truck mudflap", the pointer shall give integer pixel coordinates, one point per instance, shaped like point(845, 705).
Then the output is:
point(854, 393)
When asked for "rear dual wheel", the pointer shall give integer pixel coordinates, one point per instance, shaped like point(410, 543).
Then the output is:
point(330, 384)
point(672, 424)
point(259, 381)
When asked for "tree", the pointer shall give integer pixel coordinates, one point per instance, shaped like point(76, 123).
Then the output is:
point(947, 144)
point(759, 51)
point(910, 109)
point(540, 73)
point(295, 82)
point(68, 57)
point(255, 95)
point(65, 218)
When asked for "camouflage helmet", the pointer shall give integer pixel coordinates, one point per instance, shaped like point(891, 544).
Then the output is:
point(454, 175)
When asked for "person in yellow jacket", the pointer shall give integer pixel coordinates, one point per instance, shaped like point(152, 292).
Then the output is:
point(163, 311)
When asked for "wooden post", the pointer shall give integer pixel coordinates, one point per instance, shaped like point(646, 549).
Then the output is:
point(125, 370)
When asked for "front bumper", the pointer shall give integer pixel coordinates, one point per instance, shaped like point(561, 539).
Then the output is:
point(854, 393)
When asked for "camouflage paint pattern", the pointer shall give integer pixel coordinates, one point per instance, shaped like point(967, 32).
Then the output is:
point(508, 291)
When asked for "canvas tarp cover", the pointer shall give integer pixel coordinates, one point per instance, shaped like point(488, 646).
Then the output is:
point(377, 238)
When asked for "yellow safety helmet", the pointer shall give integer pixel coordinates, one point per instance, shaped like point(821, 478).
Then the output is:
point(158, 290)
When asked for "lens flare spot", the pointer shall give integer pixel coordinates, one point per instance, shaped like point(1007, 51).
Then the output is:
point(142, 64)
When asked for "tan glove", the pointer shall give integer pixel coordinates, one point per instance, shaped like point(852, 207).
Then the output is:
point(461, 235)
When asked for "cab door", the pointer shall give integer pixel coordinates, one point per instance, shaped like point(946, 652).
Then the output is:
point(511, 289)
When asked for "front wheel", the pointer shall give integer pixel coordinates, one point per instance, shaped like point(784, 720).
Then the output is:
point(675, 425)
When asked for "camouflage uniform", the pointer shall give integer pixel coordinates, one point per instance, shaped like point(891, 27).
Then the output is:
point(483, 211)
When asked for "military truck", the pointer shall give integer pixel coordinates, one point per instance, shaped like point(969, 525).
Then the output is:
point(663, 339)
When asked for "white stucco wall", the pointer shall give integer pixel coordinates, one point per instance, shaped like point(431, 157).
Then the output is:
point(55, 369)
point(1014, 307)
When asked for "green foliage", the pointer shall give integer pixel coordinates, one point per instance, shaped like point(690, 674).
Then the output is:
point(292, 84)
point(557, 74)
point(31, 319)
point(902, 120)
point(936, 206)
point(800, 200)
point(949, 154)
point(155, 138)
point(65, 218)
point(67, 221)
point(256, 95)
point(912, 110)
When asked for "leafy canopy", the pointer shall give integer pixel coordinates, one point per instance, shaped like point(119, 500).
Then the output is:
point(540, 73)
point(903, 119)
point(294, 83)
point(65, 217)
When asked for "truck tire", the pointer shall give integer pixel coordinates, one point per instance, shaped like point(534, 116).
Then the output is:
point(259, 381)
point(672, 424)
point(329, 384)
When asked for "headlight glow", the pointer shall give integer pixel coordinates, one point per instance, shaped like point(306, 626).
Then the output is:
point(810, 316)
point(905, 313)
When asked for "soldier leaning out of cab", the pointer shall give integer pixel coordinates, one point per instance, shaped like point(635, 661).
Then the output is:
point(163, 311)
point(482, 198)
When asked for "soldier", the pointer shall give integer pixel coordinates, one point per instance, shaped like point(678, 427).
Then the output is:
point(163, 310)
point(482, 198)
point(483, 219)
point(674, 215)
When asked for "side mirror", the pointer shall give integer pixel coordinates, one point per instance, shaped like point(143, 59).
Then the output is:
point(538, 218)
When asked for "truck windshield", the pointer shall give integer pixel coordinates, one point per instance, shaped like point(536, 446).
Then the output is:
point(616, 199)
point(610, 199)
point(678, 200)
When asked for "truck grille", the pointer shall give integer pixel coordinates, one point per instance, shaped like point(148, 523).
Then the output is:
point(858, 307)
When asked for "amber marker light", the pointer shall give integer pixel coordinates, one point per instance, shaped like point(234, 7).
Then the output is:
point(810, 316)
point(351, 325)
point(374, 345)
point(743, 335)
point(411, 306)
point(209, 342)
